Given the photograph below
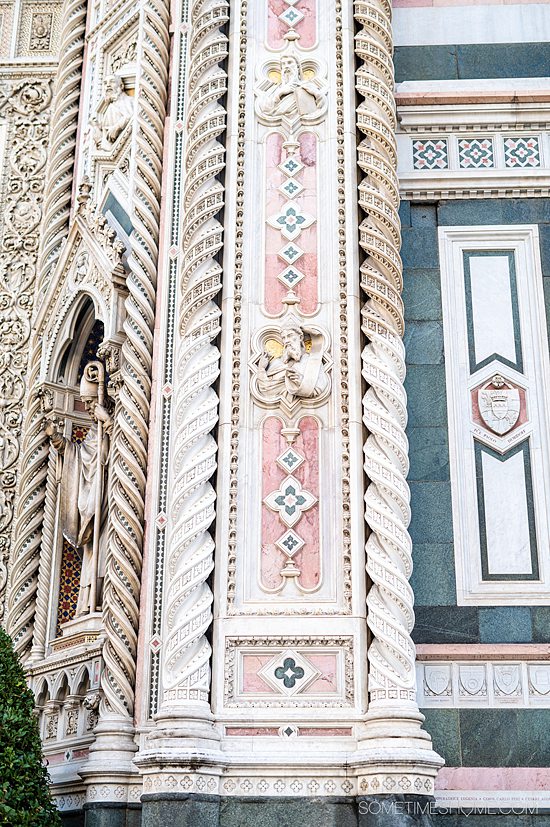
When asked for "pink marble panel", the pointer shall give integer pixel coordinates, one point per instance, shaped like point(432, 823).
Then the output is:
point(326, 682)
point(308, 558)
point(493, 778)
point(306, 289)
point(252, 682)
point(306, 28)
point(249, 730)
point(333, 732)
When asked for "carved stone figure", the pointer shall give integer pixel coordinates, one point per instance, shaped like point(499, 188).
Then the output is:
point(294, 98)
point(113, 114)
point(83, 487)
point(295, 374)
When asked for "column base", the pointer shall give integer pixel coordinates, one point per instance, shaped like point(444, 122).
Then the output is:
point(112, 814)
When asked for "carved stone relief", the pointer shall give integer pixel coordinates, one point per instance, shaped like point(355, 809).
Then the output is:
point(113, 113)
point(25, 106)
point(292, 367)
point(291, 93)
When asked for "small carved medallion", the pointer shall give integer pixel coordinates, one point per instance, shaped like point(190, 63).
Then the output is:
point(499, 405)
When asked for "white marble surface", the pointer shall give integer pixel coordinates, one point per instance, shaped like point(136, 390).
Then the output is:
point(492, 307)
point(506, 517)
point(440, 25)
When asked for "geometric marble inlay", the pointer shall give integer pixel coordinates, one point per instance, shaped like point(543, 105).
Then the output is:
point(288, 672)
point(475, 153)
point(522, 152)
point(291, 188)
point(291, 166)
point(291, 253)
point(430, 154)
point(291, 17)
point(290, 543)
point(290, 501)
point(290, 460)
point(290, 220)
point(290, 276)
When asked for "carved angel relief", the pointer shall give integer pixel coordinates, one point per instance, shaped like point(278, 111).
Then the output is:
point(291, 367)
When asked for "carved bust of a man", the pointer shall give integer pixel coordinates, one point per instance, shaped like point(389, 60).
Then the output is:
point(113, 114)
point(294, 97)
point(296, 373)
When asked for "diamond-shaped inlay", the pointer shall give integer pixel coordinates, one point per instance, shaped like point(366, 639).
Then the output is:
point(290, 501)
point(291, 188)
point(291, 17)
point(475, 153)
point(155, 644)
point(290, 277)
point(161, 520)
point(290, 253)
point(290, 543)
point(430, 154)
point(173, 251)
point(291, 166)
point(179, 126)
point(290, 460)
point(522, 152)
point(167, 390)
point(288, 672)
point(291, 220)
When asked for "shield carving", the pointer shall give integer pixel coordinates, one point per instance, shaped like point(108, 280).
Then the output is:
point(507, 679)
point(438, 679)
point(472, 680)
point(539, 678)
point(499, 405)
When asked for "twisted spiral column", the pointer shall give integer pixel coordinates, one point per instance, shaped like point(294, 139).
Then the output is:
point(188, 612)
point(393, 711)
point(59, 179)
point(34, 465)
point(129, 462)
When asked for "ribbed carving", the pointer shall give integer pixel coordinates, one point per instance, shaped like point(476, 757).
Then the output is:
point(46, 556)
point(189, 599)
point(389, 560)
point(59, 180)
point(129, 462)
point(66, 103)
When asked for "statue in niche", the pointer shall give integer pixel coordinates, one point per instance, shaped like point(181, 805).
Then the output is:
point(294, 98)
point(83, 490)
point(113, 114)
point(295, 374)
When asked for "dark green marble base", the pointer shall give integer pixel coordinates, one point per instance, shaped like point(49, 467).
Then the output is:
point(72, 818)
point(111, 814)
point(210, 811)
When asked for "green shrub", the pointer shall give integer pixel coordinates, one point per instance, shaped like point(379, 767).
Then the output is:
point(24, 796)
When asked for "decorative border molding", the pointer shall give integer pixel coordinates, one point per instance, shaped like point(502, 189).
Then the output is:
point(313, 644)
